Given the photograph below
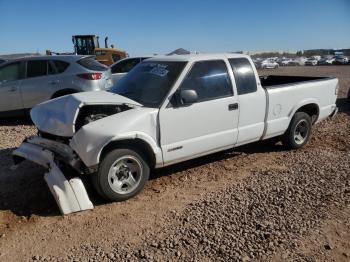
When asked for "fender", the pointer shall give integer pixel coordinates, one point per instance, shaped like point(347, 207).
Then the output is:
point(137, 135)
point(89, 141)
point(301, 104)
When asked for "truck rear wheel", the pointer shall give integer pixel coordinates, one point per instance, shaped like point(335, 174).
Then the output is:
point(298, 132)
point(122, 174)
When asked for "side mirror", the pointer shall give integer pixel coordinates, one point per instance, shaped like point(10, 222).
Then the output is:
point(188, 97)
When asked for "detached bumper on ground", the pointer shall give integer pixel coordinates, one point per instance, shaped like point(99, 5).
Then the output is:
point(70, 195)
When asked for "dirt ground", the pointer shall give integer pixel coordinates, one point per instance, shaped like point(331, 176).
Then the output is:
point(254, 203)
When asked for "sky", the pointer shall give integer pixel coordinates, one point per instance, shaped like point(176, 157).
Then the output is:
point(160, 26)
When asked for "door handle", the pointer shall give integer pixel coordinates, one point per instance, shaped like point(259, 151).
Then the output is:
point(12, 89)
point(233, 106)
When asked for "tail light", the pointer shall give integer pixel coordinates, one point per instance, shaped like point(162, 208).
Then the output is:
point(90, 76)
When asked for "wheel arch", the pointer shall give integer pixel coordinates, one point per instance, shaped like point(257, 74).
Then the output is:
point(310, 107)
point(131, 143)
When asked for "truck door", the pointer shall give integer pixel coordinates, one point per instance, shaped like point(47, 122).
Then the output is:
point(10, 81)
point(252, 101)
point(206, 126)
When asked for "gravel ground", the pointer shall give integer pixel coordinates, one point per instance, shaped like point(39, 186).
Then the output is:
point(256, 203)
point(271, 209)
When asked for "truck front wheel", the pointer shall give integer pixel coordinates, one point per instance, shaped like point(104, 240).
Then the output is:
point(298, 132)
point(122, 174)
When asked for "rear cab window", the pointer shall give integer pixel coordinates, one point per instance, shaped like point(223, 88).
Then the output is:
point(91, 64)
point(244, 75)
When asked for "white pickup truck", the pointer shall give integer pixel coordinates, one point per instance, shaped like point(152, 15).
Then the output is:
point(168, 110)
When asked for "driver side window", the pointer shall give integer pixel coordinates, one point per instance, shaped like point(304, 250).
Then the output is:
point(209, 79)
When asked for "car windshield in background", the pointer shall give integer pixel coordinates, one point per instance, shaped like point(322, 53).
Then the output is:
point(91, 64)
point(149, 82)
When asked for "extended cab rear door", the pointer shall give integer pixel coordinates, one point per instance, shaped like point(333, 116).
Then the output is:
point(252, 100)
point(206, 126)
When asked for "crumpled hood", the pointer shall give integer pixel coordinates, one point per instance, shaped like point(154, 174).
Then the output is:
point(58, 116)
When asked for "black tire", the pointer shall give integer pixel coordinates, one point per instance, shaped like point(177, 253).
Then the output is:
point(96, 184)
point(301, 121)
point(101, 180)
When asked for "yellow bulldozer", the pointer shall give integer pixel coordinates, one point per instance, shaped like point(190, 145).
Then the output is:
point(90, 45)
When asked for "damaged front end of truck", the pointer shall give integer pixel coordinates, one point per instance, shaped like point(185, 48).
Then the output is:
point(58, 121)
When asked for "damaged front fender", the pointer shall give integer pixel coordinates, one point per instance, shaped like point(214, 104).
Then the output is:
point(140, 123)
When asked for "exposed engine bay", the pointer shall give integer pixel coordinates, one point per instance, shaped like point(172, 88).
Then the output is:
point(91, 113)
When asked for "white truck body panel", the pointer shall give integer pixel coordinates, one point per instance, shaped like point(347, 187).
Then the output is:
point(138, 123)
point(285, 101)
point(251, 117)
point(195, 135)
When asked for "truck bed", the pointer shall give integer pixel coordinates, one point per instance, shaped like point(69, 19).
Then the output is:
point(276, 81)
point(285, 94)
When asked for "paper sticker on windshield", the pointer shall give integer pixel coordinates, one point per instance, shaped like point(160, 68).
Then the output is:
point(157, 69)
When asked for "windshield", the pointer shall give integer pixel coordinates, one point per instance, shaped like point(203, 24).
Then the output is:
point(149, 82)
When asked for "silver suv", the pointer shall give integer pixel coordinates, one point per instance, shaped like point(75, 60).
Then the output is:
point(27, 81)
